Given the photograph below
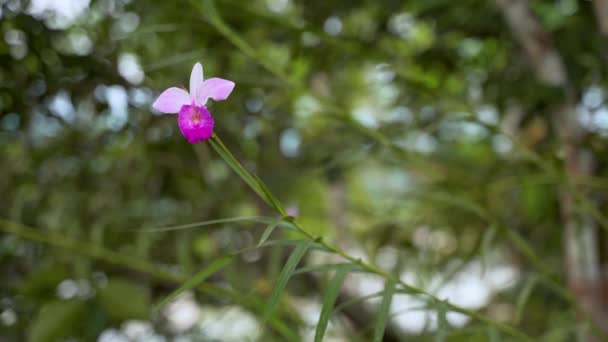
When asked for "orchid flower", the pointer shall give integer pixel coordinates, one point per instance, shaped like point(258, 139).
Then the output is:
point(194, 119)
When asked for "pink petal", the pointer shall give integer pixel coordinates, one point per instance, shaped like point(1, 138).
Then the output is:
point(171, 100)
point(196, 80)
point(216, 88)
point(195, 123)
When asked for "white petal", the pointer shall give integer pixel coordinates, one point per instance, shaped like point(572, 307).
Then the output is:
point(196, 79)
point(171, 100)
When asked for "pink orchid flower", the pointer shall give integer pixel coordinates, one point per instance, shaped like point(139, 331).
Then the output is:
point(194, 119)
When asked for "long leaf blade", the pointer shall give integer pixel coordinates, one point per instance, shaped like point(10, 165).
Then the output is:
point(269, 229)
point(329, 300)
point(384, 310)
point(196, 279)
point(286, 273)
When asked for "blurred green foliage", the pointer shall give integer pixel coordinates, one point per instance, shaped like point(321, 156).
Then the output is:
point(410, 127)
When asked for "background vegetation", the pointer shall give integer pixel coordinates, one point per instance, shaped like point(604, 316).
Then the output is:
point(428, 170)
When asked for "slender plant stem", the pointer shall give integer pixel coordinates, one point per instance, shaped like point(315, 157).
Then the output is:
point(235, 164)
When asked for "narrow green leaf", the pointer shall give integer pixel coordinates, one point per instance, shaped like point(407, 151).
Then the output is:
point(443, 326)
point(384, 310)
point(56, 320)
point(284, 276)
point(523, 297)
point(358, 300)
point(197, 279)
point(112, 299)
point(256, 219)
point(493, 335)
point(329, 300)
point(221, 149)
point(486, 243)
point(274, 202)
point(327, 267)
point(269, 229)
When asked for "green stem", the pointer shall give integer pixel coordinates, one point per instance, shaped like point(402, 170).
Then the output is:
point(239, 169)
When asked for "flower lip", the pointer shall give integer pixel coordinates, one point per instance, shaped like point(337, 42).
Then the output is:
point(195, 123)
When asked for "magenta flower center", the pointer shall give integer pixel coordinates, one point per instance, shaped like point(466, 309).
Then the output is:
point(195, 123)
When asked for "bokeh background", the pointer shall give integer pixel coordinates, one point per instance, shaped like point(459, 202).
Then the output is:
point(459, 145)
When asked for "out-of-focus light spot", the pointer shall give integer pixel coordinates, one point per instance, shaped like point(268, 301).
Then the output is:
point(382, 73)
point(365, 116)
point(117, 99)
point(502, 144)
point(43, 126)
point(387, 93)
point(138, 330)
point(67, 289)
point(140, 97)
point(127, 23)
point(387, 257)
point(290, 143)
point(229, 324)
point(423, 143)
point(100, 279)
point(14, 37)
point(252, 256)
point(306, 106)
point(113, 335)
point(427, 113)
point(469, 48)
point(17, 41)
point(61, 105)
point(13, 5)
point(58, 14)
point(310, 39)
point(567, 7)
point(600, 120)
point(8, 317)
point(402, 25)
point(252, 128)
point(79, 43)
point(593, 97)
point(436, 240)
point(10, 122)
point(473, 131)
point(130, 69)
point(584, 116)
point(332, 26)
point(399, 114)
point(277, 6)
point(382, 183)
point(488, 115)
point(254, 104)
point(100, 93)
point(183, 312)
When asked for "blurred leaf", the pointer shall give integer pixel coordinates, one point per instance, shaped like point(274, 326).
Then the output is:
point(44, 280)
point(122, 299)
point(269, 229)
point(536, 199)
point(384, 311)
point(284, 276)
point(56, 321)
point(443, 325)
point(197, 279)
point(524, 295)
point(329, 300)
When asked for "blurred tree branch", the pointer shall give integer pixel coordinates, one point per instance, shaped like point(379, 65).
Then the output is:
point(580, 236)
